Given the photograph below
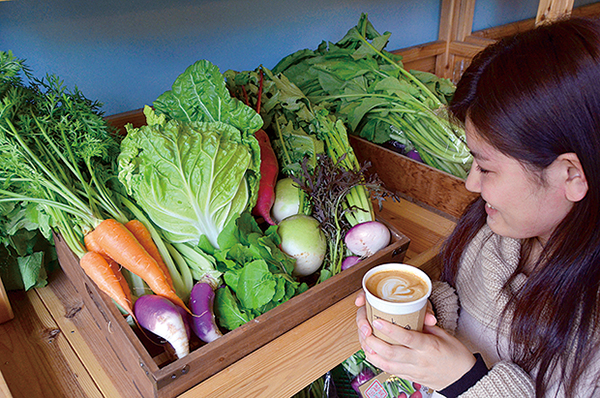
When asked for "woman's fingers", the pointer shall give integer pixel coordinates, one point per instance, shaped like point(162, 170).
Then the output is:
point(360, 299)
point(430, 318)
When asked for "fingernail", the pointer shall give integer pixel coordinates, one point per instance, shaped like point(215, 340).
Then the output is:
point(364, 330)
point(377, 324)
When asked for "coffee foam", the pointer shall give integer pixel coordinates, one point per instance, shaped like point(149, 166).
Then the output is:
point(396, 288)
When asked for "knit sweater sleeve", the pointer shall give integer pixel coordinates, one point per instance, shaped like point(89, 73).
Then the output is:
point(445, 304)
point(505, 379)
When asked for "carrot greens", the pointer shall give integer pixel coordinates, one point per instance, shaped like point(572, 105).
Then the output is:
point(56, 151)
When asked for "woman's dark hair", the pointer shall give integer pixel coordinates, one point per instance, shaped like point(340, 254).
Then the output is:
point(534, 96)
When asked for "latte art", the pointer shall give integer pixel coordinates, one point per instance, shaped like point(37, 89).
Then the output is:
point(397, 289)
point(397, 286)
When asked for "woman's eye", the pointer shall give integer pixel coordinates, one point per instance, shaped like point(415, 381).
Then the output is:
point(481, 170)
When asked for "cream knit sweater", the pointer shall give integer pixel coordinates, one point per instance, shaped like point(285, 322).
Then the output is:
point(473, 310)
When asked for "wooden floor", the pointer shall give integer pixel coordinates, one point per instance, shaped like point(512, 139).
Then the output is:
point(42, 353)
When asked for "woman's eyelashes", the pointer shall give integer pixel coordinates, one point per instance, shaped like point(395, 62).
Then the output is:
point(482, 170)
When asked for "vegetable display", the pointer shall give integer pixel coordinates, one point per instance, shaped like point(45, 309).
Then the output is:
point(213, 213)
point(368, 88)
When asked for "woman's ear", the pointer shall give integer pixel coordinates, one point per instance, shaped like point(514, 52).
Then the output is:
point(576, 185)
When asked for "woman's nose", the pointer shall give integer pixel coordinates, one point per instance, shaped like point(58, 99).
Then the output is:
point(473, 179)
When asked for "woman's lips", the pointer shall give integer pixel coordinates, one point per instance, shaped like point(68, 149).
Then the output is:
point(490, 210)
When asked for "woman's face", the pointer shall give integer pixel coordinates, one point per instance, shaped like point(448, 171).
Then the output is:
point(518, 205)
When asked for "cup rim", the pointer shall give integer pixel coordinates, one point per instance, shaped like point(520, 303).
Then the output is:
point(397, 307)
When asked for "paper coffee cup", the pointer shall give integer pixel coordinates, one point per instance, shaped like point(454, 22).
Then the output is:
point(408, 313)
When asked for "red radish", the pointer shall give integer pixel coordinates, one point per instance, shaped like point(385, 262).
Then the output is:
point(160, 316)
point(269, 170)
point(202, 298)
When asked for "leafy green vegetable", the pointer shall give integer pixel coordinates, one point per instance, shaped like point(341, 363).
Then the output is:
point(257, 274)
point(368, 88)
point(200, 94)
point(291, 119)
point(57, 153)
point(27, 255)
point(191, 178)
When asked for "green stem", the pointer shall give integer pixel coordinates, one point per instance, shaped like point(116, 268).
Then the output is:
point(404, 72)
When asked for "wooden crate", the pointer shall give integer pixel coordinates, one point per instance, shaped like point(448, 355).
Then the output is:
point(415, 181)
point(138, 371)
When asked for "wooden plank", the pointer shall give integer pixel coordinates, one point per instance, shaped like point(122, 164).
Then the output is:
point(36, 359)
point(465, 49)
point(427, 50)
point(456, 23)
point(70, 318)
point(418, 181)
point(135, 117)
point(550, 10)
point(4, 390)
point(424, 227)
point(6, 312)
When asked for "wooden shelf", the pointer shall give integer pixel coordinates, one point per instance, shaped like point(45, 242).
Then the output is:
point(42, 352)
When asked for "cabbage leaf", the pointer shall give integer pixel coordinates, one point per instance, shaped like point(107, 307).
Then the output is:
point(195, 167)
point(189, 177)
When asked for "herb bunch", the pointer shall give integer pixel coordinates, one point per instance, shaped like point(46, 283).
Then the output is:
point(327, 187)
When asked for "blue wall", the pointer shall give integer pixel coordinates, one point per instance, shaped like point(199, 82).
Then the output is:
point(126, 53)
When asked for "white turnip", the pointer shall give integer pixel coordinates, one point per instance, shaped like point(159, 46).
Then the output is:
point(287, 199)
point(302, 238)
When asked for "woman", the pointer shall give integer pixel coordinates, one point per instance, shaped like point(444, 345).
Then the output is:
point(521, 271)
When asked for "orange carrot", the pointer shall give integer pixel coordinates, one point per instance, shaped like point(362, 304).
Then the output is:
point(141, 233)
point(122, 281)
point(119, 244)
point(97, 268)
point(92, 246)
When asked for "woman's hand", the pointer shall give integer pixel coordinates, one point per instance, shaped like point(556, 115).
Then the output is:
point(432, 358)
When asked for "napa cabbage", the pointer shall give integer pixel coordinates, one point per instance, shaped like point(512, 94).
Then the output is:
point(195, 167)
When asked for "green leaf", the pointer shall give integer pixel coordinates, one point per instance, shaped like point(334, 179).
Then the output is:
point(229, 315)
point(256, 285)
point(200, 94)
point(191, 178)
point(32, 270)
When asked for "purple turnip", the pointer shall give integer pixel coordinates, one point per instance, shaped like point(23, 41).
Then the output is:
point(202, 298)
point(367, 238)
point(350, 261)
point(160, 316)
